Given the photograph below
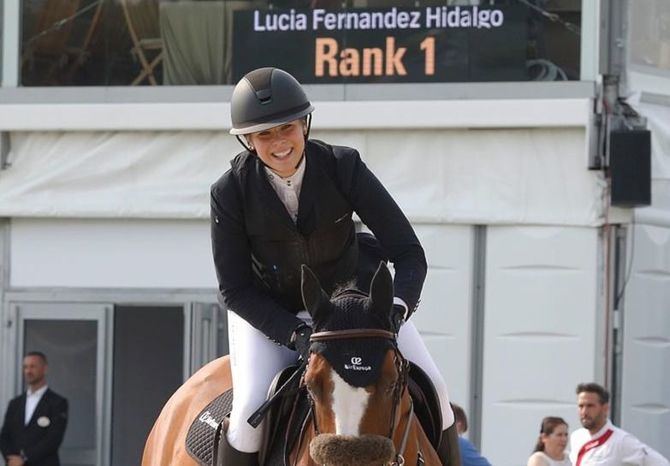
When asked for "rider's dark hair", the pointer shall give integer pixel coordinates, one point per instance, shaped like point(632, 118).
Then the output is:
point(592, 387)
point(547, 427)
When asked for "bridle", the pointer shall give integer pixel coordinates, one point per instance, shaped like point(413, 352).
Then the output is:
point(402, 367)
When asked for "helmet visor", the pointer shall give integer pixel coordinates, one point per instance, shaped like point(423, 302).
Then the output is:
point(275, 120)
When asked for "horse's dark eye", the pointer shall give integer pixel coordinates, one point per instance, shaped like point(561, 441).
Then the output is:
point(390, 387)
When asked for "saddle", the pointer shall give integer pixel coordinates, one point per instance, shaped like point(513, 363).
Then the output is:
point(287, 417)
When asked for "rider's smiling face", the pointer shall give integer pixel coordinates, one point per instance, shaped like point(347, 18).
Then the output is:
point(281, 147)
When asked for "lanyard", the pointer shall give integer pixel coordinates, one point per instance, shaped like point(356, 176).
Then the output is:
point(593, 444)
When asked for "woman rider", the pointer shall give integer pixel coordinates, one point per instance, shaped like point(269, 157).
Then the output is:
point(286, 201)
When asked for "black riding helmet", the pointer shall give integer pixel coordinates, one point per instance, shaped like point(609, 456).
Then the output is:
point(265, 98)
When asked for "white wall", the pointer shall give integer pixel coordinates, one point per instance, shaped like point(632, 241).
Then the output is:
point(118, 253)
point(646, 308)
point(570, 110)
point(539, 332)
point(646, 365)
point(445, 313)
point(487, 176)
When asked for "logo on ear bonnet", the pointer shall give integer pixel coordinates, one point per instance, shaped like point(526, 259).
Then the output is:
point(356, 365)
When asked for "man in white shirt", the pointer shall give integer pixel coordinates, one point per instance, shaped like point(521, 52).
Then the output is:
point(35, 421)
point(599, 442)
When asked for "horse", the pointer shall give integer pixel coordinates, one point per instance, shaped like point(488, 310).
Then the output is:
point(355, 385)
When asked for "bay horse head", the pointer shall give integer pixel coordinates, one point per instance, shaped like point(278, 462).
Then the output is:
point(356, 377)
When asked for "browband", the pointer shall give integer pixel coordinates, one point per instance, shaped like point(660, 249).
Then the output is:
point(353, 333)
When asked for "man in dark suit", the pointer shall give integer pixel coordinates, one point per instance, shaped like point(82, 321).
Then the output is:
point(35, 421)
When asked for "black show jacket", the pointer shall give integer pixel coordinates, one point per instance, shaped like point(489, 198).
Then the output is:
point(258, 250)
point(39, 443)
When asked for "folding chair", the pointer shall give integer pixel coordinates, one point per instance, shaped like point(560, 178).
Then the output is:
point(54, 44)
point(142, 20)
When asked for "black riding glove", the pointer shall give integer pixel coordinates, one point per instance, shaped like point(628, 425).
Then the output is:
point(397, 317)
point(300, 340)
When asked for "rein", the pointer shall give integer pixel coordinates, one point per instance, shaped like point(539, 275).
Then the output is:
point(402, 367)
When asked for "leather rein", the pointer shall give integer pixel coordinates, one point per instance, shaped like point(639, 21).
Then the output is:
point(402, 366)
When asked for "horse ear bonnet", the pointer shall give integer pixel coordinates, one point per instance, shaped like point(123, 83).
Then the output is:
point(357, 360)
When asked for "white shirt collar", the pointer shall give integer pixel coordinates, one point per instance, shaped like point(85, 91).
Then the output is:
point(33, 398)
point(288, 189)
point(37, 393)
point(603, 429)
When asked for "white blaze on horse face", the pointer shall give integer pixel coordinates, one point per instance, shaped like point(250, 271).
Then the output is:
point(349, 404)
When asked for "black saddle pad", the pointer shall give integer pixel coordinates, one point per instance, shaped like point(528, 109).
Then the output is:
point(200, 436)
point(282, 427)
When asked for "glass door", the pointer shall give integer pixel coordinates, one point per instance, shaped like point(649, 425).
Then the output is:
point(74, 337)
point(149, 362)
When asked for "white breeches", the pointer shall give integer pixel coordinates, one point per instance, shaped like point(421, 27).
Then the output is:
point(255, 360)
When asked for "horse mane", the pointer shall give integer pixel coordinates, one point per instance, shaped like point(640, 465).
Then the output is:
point(344, 288)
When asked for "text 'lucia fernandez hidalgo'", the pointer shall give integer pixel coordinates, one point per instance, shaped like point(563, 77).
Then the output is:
point(432, 17)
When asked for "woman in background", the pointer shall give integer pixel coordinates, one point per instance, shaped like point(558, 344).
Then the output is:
point(551, 444)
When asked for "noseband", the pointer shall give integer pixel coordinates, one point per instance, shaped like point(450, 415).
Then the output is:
point(402, 367)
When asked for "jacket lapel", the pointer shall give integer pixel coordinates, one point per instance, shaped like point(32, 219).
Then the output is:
point(22, 409)
point(271, 201)
point(306, 214)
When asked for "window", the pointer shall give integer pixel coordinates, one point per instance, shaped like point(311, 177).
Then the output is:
point(160, 42)
point(650, 35)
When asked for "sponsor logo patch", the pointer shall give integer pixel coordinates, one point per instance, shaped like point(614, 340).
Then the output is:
point(356, 365)
point(207, 418)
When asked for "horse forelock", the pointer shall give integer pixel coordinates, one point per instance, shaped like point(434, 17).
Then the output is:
point(350, 309)
point(345, 288)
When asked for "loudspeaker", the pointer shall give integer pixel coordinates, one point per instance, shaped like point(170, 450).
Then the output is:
point(630, 167)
